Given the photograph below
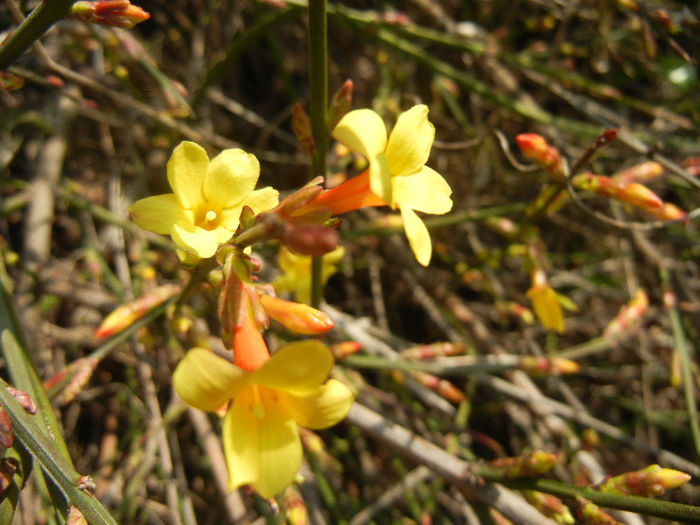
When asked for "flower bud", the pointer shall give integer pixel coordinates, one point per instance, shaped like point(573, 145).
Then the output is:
point(593, 514)
point(644, 172)
point(434, 350)
point(536, 463)
point(126, 315)
point(628, 316)
point(539, 366)
point(650, 481)
point(309, 239)
point(82, 370)
point(668, 212)
point(301, 126)
point(344, 349)
point(535, 147)
point(111, 13)
point(296, 317)
point(550, 506)
point(441, 386)
point(340, 103)
point(629, 192)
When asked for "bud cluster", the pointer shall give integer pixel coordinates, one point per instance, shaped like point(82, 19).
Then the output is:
point(534, 464)
point(650, 481)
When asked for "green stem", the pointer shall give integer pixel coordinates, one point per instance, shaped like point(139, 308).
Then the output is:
point(686, 370)
point(318, 106)
point(32, 28)
point(638, 504)
point(52, 461)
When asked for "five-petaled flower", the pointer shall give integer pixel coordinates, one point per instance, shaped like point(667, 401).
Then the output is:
point(260, 434)
point(204, 209)
point(397, 174)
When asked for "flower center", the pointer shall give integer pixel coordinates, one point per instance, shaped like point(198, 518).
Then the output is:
point(207, 216)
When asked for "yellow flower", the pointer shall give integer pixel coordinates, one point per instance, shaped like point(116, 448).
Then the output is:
point(296, 272)
point(545, 302)
point(260, 434)
point(397, 171)
point(208, 196)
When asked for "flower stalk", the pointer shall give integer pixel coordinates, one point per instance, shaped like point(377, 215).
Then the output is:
point(318, 103)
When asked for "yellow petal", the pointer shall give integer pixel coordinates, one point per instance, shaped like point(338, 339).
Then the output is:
point(410, 141)
point(547, 307)
point(158, 213)
point(363, 131)
point(259, 201)
point(380, 179)
point(418, 236)
point(231, 177)
point(321, 408)
point(263, 199)
point(298, 367)
point(194, 239)
point(425, 191)
point(187, 168)
point(261, 442)
point(206, 381)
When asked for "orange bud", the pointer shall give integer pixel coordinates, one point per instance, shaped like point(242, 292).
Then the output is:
point(433, 350)
point(344, 349)
point(441, 386)
point(628, 316)
point(111, 13)
point(548, 365)
point(535, 147)
point(668, 212)
point(81, 370)
point(126, 315)
point(296, 317)
point(644, 172)
point(630, 192)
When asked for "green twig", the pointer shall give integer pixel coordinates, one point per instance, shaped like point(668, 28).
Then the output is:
point(52, 461)
point(318, 104)
point(686, 370)
point(32, 28)
point(647, 506)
